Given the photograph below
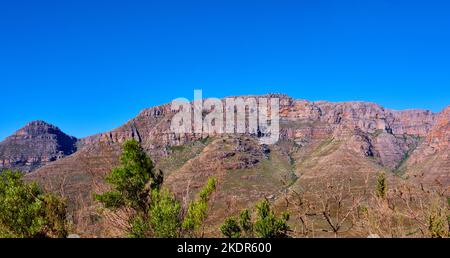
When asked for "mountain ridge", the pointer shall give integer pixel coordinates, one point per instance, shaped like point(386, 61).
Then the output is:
point(290, 109)
point(353, 140)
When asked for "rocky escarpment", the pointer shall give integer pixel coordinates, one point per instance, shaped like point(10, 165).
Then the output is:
point(431, 159)
point(439, 136)
point(35, 145)
point(384, 134)
point(372, 130)
point(391, 133)
point(353, 140)
point(388, 136)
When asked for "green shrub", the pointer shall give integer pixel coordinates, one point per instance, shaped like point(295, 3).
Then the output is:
point(27, 212)
point(165, 214)
point(267, 224)
point(245, 222)
point(381, 187)
point(230, 228)
point(197, 210)
point(156, 213)
point(133, 181)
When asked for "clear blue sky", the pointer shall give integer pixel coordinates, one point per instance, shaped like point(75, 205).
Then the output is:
point(89, 66)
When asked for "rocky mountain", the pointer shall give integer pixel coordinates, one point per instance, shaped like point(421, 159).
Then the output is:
point(35, 145)
point(431, 159)
point(353, 140)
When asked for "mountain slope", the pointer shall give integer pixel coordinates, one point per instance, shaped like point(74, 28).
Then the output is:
point(36, 144)
point(431, 159)
point(318, 140)
point(346, 140)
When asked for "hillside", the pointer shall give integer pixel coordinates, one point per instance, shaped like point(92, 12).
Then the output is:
point(345, 140)
point(36, 144)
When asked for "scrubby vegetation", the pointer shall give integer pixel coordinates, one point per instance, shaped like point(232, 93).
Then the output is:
point(381, 185)
point(342, 209)
point(266, 225)
point(153, 211)
point(327, 206)
point(27, 212)
point(197, 211)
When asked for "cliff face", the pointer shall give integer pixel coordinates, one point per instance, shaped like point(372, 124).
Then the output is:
point(387, 136)
point(387, 139)
point(35, 145)
point(383, 133)
point(368, 128)
point(431, 159)
point(439, 135)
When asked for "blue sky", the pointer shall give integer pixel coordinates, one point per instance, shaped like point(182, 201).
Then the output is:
point(89, 66)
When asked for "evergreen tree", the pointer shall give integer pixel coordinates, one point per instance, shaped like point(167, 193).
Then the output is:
point(27, 212)
point(245, 222)
point(267, 224)
point(165, 214)
point(230, 228)
point(133, 181)
point(132, 184)
point(197, 210)
point(136, 185)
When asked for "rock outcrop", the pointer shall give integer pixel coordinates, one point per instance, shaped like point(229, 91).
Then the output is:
point(431, 159)
point(35, 145)
point(439, 135)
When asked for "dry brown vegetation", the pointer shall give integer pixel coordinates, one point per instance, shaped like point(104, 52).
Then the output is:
point(336, 208)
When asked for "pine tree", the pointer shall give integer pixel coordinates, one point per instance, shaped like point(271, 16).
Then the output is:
point(197, 210)
point(268, 225)
point(138, 186)
point(245, 222)
point(230, 228)
point(133, 182)
point(165, 214)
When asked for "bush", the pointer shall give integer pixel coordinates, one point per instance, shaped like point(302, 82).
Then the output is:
point(245, 222)
point(381, 187)
point(165, 214)
point(132, 184)
point(133, 181)
point(437, 220)
point(231, 228)
point(197, 210)
point(27, 212)
point(267, 224)
point(156, 213)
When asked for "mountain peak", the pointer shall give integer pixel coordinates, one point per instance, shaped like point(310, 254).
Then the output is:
point(34, 145)
point(39, 123)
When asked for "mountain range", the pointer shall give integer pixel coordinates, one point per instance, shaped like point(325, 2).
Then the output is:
point(354, 140)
